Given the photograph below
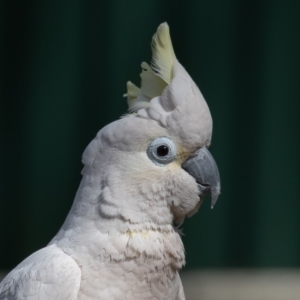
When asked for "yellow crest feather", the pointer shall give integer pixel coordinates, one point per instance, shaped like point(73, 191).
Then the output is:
point(163, 53)
point(155, 78)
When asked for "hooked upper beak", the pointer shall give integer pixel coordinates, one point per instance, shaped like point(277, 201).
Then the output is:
point(202, 166)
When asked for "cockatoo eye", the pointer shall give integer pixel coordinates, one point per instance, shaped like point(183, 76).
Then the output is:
point(162, 151)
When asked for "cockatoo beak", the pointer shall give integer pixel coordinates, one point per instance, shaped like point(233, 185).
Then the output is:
point(202, 166)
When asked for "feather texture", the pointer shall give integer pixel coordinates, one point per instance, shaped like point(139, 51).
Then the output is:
point(163, 58)
point(118, 240)
point(154, 79)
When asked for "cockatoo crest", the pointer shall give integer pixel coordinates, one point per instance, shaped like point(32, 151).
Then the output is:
point(169, 95)
point(156, 77)
point(163, 58)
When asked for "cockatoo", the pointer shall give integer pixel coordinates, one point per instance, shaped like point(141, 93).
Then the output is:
point(142, 175)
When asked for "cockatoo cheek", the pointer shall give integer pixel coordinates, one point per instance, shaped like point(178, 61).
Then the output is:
point(184, 197)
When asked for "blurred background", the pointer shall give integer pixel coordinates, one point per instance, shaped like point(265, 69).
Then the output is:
point(64, 68)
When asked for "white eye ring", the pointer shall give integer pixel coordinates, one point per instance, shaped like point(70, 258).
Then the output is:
point(162, 151)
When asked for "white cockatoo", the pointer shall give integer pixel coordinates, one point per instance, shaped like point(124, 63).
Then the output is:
point(142, 175)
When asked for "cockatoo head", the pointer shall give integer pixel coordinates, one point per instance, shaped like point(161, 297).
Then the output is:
point(154, 161)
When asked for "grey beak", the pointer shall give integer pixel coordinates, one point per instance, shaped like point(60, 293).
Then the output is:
point(202, 166)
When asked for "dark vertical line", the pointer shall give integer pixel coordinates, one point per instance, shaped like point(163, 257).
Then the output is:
point(2, 177)
point(51, 119)
point(278, 215)
point(13, 104)
point(247, 101)
point(94, 94)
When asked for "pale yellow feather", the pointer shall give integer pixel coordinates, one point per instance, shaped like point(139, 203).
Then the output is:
point(163, 53)
point(155, 78)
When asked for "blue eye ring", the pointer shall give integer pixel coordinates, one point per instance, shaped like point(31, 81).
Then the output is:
point(162, 151)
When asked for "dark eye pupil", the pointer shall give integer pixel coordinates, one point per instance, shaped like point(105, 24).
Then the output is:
point(162, 150)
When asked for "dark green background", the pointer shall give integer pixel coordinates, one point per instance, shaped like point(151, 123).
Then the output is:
point(64, 66)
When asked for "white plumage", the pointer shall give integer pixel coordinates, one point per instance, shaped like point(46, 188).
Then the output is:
point(119, 241)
